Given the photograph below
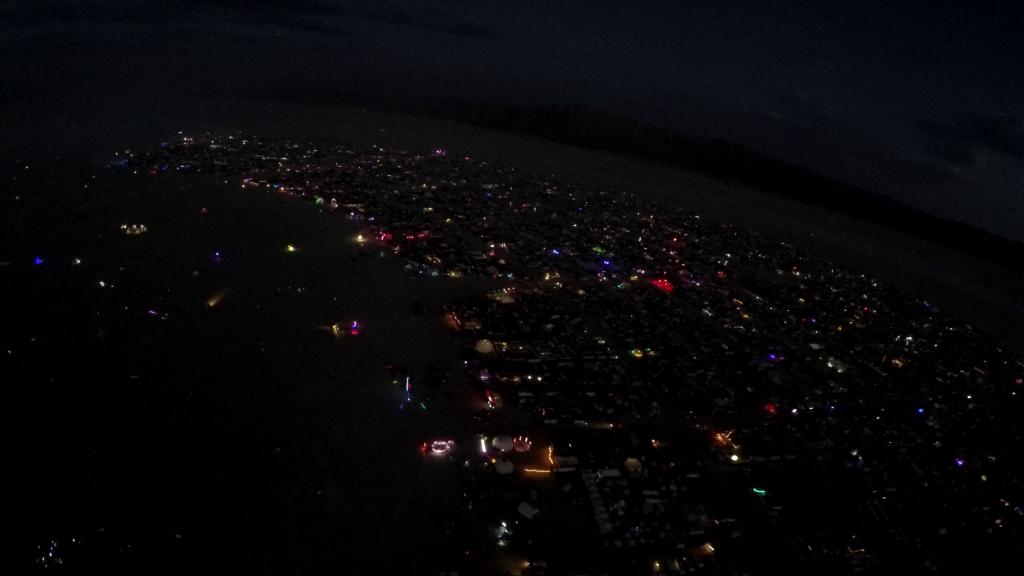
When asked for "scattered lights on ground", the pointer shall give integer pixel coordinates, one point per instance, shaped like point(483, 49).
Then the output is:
point(429, 251)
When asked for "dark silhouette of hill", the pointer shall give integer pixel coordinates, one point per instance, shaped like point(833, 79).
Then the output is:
point(591, 128)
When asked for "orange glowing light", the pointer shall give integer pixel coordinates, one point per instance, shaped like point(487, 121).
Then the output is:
point(723, 438)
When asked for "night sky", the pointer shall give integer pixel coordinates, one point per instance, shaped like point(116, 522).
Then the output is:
point(919, 100)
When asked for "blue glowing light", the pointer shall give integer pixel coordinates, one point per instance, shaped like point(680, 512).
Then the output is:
point(38, 261)
point(920, 410)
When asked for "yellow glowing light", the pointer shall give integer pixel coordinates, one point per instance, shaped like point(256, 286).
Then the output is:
point(536, 471)
point(290, 248)
point(360, 239)
point(216, 298)
point(735, 457)
point(551, 455)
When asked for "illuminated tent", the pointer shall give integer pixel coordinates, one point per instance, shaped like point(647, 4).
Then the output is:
point(504, 467)
point(484, 347)
point(503, 443)
point(527, 510)
point(521, 444)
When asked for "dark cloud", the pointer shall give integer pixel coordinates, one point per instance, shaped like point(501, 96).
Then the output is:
point(433, 20)
point(300, 15)
point(959, 143)
point(847, 89)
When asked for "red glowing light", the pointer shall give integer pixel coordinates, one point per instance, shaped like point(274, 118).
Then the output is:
point(721, 274)
point(384, 236)
point(663, 285)
point(771, 408)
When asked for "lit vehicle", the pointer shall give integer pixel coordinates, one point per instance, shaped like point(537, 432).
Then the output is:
point(442, 446)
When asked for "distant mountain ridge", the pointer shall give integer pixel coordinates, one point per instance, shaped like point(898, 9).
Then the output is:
point(588, 127)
